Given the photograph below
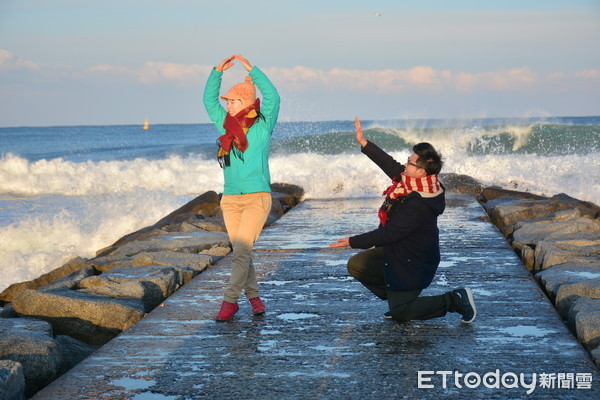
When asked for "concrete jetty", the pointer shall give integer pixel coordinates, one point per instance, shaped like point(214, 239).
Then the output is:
point(324, 335)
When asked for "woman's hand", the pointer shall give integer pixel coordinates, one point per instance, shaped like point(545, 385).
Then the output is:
point(359, 133)
point(243, 61)
point(345, 242)
point(225, 64)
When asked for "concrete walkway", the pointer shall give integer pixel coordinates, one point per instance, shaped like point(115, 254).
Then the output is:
point(324, 337)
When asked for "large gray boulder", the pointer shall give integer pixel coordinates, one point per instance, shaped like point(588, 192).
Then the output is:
point(500, 195)
point(583, 246)
point(148, 293)
point(84, 316)
point(195, 223)
point(506, 212)
point(71, 281)
point(218, 251)
point(150, 284)
point(527, 255)
point(569, 293)
point(107, 263)
point(197, 262)
point(586, 316)
point(285, 196)
point(65, 270)
point(532, 232)
point(461, 184)
point(571, 272)
point(12, 380)
point(167, 278)
point(73, 351)
point(210, 224)
point(276, 211)
point(190, 242)
point(29, 342)
point(295, 191)
point(286, 201)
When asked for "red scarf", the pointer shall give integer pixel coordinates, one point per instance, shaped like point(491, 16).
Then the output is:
point(236, 128)
point(428, 186)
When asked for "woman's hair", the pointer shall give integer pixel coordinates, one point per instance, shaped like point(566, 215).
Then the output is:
point(429, 159)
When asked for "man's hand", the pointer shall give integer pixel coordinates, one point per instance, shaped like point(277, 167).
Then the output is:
point(359, 133)
point(345, 242)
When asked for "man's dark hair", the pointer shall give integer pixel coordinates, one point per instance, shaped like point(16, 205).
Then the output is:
point(429, 159)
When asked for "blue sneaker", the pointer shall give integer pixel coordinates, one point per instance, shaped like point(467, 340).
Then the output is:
point(467, 305)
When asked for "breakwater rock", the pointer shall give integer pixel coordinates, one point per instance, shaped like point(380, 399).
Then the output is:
point(558, 239)
point(49, 324)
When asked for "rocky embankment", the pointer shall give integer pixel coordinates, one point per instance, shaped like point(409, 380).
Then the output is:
point(558, 239)
point(50, 324)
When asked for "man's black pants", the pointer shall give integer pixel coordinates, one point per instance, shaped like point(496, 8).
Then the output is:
point(367, 268)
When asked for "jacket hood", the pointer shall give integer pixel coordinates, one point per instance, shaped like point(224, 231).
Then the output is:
point(437, 204)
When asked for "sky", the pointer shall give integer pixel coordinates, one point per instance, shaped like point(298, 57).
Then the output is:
point(112, 62)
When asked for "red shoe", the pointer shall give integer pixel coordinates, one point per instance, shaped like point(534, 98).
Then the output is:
point(258, 307)
point(227, 312)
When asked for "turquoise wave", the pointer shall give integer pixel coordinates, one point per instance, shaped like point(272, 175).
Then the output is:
point(337, 142)
point(538, 138)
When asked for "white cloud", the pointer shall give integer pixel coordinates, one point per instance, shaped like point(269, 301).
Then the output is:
point(593, 74)
point(110, 69)
point(516, 79)
point(9, 62)
point(158, 72)
point(419, 78)
point(184, 75)
point(300, 78)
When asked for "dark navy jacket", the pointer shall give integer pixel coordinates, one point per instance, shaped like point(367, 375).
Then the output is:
point(410, 239)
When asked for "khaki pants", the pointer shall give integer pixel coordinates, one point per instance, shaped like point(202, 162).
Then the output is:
point(245, 216)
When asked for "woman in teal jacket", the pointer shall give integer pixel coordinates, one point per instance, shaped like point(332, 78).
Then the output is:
point(246, 127)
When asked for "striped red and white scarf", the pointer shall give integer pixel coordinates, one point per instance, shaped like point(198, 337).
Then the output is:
point(428, 187)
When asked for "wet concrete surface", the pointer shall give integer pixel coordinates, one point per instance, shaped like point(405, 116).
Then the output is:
point(324, 337)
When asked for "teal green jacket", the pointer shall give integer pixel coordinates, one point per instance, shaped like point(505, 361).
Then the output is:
point(250, 175)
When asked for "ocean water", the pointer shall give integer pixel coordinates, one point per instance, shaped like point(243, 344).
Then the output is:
point(70, 191)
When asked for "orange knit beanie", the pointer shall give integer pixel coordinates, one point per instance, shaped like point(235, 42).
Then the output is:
point(244, 91)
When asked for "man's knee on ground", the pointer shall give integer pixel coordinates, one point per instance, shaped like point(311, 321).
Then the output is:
point(353, 266)
point(402, 312)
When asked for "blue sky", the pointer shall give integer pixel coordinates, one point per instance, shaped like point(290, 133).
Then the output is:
point(117, 62)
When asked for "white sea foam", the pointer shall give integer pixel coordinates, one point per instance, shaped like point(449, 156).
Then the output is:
point(521, 135)
point(461, 137)
point(175, 175)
